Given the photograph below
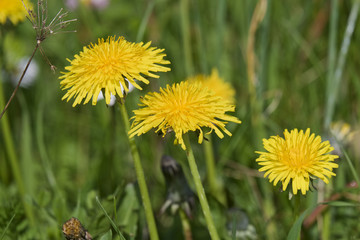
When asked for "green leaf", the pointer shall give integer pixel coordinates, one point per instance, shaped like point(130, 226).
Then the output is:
point(351, 165)
point(107, 235)
point(128, 211)
point(296, 227)
point(341, 204)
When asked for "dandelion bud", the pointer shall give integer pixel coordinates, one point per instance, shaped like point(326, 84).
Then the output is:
point(179, 194)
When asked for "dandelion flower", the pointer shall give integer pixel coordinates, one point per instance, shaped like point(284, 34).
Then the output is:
point(182, 108)
point(297, 157)
point(216, 84)
point(105, 65)
point(13, 10)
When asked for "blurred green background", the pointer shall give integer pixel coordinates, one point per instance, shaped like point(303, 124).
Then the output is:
point(68, 156)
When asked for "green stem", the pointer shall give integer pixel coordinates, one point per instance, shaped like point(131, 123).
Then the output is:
point(210, 166)
point(326, 226)
point(140, 177)
point(296, 206)
point(214, 183)
point(200, 189)
point(185, 225)
point(9, 143)
point(185, 27)
point(297, 210)
point(145, 21)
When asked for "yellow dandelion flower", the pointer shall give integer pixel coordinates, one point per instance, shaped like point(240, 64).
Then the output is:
point(13, 10)
point(105, 65)
point(216, 84)
point(298, 157)
point(182, 108)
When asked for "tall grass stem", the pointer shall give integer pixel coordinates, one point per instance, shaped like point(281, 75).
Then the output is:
point(145, 20)
point(256, 102)
point(334, 81)
point(185, 27)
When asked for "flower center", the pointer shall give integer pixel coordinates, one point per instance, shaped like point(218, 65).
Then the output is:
point(295, 158)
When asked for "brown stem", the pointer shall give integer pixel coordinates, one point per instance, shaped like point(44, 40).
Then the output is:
point(21, 78)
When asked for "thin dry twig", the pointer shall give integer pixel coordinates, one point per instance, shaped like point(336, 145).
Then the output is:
point(43, 30)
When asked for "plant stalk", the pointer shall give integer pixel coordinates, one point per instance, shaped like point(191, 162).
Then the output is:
point(297, 210)
point(185, 27)
point(200, 189)
point(140, 177)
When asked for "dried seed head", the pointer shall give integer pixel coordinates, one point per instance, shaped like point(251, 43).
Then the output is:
point(74, 230)
point(40, 23)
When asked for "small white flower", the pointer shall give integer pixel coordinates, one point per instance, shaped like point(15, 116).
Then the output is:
point(30, 74)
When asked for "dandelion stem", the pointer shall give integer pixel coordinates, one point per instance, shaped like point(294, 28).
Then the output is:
point(140, 177)
point(200, 189)
point(297, 210)
point(215, 187)
point(210, 166)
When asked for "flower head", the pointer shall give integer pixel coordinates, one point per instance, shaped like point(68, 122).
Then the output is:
point(105, 65)
point(73, 229)
point(13, 10)
point(216, 84)
point(182, 107)
point(297, 157)
point(179, 193)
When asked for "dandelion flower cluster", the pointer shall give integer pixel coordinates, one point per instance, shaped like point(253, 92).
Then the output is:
point(13, 10)
point(182, 107)
point(297, 157)
point(106, 66)
point(216, 84)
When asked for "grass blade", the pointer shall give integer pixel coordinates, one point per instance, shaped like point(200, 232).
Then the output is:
point(7, 226)
point(111, 221)
point(341, 204)
point(333, 92)
point(351, 165)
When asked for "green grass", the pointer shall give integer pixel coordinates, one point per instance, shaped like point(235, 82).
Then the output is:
point(73, 159)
